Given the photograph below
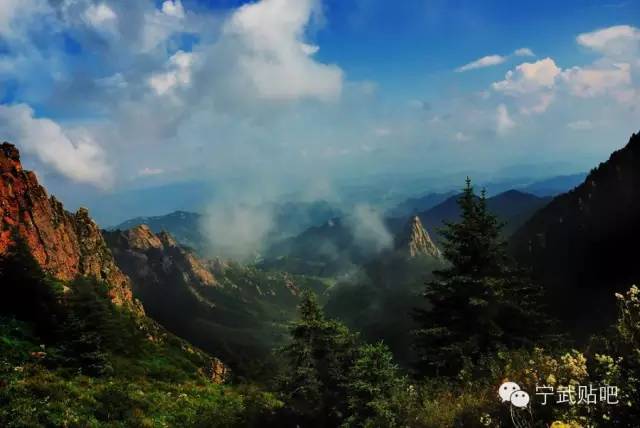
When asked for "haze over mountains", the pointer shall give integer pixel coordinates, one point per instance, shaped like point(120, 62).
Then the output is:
point(288, 222)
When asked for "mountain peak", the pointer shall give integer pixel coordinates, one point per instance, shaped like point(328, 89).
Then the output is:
point(418, 241)
point(141, 243)
point(142, 238)
point(66, 245)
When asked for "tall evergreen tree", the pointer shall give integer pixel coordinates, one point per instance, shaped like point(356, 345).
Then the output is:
point(318, 360)
point(481, 302)
point(374, 387)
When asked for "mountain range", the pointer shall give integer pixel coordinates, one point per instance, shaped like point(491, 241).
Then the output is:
point(333, 247)
point(233, 311)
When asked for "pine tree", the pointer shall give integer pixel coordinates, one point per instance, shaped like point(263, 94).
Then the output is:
point(481, 302)
point(373, 389)
point(91, 328)
point(317, 365)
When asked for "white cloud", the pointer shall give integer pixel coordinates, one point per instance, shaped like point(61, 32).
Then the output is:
point(159, 25)
point(268, 38)
point(504, 123)
point(580, 125)
point(178, 73)
point(173, 8)
point(74, 154)
point(309, 49)
point(369, 231)
point(538, 103)
point(620, 41)
point(592, 82)
point(485, 61)
point(13, 13)
point(532, 84)
point(529, 77)
point(523, 52)
point(101, 17)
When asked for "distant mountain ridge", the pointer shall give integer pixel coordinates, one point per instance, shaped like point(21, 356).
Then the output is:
point(332, 248)
point(419, 204)
point(183, 225)
point(555, 185)
point(288, 218)
point(513, 207)
point(544, 188)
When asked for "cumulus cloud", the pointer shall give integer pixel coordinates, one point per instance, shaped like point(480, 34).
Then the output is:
point(72, 153)
point(173, 8)
point(273, 55)
point(485, 61)
point(532, 84)
point(591, 82)
point(102, 17)
point(529, 77)
point(178, 73)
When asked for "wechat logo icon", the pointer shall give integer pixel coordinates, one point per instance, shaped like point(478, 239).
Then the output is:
point(511, 392)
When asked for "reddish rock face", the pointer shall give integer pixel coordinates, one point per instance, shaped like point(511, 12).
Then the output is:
point(158, 256)
point(66, 245)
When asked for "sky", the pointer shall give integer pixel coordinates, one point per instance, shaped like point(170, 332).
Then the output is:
point(275, 96)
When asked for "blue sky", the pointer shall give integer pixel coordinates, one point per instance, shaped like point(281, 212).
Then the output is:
point(274, 96)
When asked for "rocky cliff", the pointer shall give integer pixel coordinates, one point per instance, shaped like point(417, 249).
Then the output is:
point(152, 258)
point(416, 240)
point(237, 312)
point(66, 245)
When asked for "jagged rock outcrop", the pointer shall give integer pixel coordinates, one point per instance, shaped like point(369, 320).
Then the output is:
point(66, 245)
point(237, 312)
point(416, 240)
point(154, 258)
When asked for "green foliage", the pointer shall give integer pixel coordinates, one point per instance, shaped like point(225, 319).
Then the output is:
point(619, 365)
point(480, 303)
point(318, 359)
point(373, 387)
point(158, 386)
point(36, 396)
point(473, 245)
